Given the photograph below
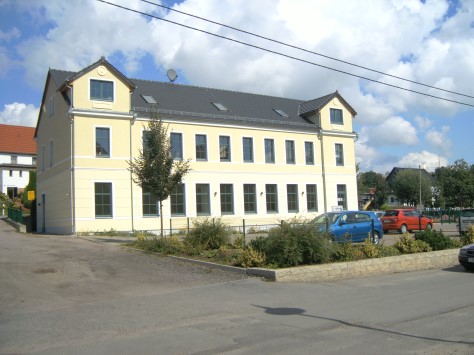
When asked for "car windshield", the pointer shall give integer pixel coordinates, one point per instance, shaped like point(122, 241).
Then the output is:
point(467, 213)
point(328, 218)
point(390, 214)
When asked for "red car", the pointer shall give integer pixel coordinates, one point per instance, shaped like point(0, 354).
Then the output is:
point(404, 220)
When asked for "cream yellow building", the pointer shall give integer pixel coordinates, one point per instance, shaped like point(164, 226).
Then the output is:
point(253, 157)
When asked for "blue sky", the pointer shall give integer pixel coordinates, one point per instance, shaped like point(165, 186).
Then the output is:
point(431, 42)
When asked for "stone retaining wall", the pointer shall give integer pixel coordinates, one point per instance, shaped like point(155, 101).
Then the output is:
point(362, 268)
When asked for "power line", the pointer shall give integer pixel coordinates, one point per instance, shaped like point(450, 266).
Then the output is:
point(307, 50)
point(285, 55)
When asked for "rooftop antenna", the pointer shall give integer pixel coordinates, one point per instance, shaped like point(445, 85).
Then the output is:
point(172, 75)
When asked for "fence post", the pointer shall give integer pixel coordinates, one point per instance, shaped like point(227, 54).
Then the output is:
point(171, 227)
point(373, 232)
point(243, 229)
point(188, 225)
point(419, 221)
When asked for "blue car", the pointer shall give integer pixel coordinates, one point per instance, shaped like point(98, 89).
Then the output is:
point(355, 225)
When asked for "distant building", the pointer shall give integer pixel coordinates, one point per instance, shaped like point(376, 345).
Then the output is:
point(253, 157)
point(17, 158)
point(392, 198)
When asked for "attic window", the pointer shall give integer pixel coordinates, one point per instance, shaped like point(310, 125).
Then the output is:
point(102, 90)
point(149, 99)
point(281, 112)
point(219, 106)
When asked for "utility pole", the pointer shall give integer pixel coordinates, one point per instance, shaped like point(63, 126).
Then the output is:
point(419, 168)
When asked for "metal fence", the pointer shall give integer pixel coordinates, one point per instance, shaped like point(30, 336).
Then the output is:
point(244, 227)
point(443, 215)
point(16, 215)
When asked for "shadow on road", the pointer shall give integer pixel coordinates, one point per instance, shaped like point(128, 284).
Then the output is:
point(284, 311)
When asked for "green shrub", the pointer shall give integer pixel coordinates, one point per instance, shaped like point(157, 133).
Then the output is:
point(294, 242)
point(370, 249)
point(468, 237)
point(250, 257)
point(165, 245)
point(209, 233)
point(436, 240)
point(239, 242)
point(387, 251)
point(406, 244)
point(345, 250)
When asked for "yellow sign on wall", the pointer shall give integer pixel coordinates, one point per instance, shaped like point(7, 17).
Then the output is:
point(31, 195)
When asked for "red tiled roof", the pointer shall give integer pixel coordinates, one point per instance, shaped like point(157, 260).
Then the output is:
point(17, 139)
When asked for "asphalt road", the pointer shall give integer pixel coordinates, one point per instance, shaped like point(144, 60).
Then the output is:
point(66, 295)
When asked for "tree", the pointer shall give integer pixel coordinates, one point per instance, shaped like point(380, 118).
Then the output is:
point(456, 184)
point(371, 179)
point(30, 187)
point(406, 186)
point(155, 169)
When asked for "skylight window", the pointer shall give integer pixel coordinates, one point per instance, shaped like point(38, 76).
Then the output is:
point(281, 112)
point(149, 99)
point(219, 106)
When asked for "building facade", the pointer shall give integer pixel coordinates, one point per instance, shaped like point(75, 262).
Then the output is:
point(17, 158)
point(253, 157)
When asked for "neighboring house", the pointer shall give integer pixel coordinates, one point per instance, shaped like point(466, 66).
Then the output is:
point(17, 158)
point(392, 199)
point(253, 157)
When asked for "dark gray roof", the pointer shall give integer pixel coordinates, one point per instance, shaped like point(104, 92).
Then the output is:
point(312, 106)
point(101, 61)
point(191, 102)
point(391, 177)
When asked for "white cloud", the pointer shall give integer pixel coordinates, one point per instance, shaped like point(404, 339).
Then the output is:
point(423, 123)
point(14, 33)
point(393, 131)
point(439, 139)
point(410, 39)
point(19, 114)
point(425, 159)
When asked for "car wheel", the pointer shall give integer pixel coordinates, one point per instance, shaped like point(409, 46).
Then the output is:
point(403, 228)
point(376, 238)
point(385, 231)
point(429, 227)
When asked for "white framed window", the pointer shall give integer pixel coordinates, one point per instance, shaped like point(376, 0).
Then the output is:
point(101, 90)
point(339, 154)
point(43, 157)
point(336, 116)
point(51, 106)
point(176, 141)
point(102, 142)
point(51, 153)
point(103, 199)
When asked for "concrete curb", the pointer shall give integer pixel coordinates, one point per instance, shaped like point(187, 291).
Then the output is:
point(18, 226)
point(333, 271)
point(362, 268)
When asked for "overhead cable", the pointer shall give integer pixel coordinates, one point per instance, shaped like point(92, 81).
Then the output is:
point(284, 55)
point(306, 50)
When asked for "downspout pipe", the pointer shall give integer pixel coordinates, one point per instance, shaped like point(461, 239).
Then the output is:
point(73, 177)
point(132, 122)
point(323, 168)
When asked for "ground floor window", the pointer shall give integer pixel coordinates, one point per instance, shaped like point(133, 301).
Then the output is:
point(103, 199)
point(271, 198)
point(203, 207)
point(311, 198)
point(149, 204)
point(178, 201)
point(292, 197)
point(250, 198)
point(342, 196)
point(227, 199)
